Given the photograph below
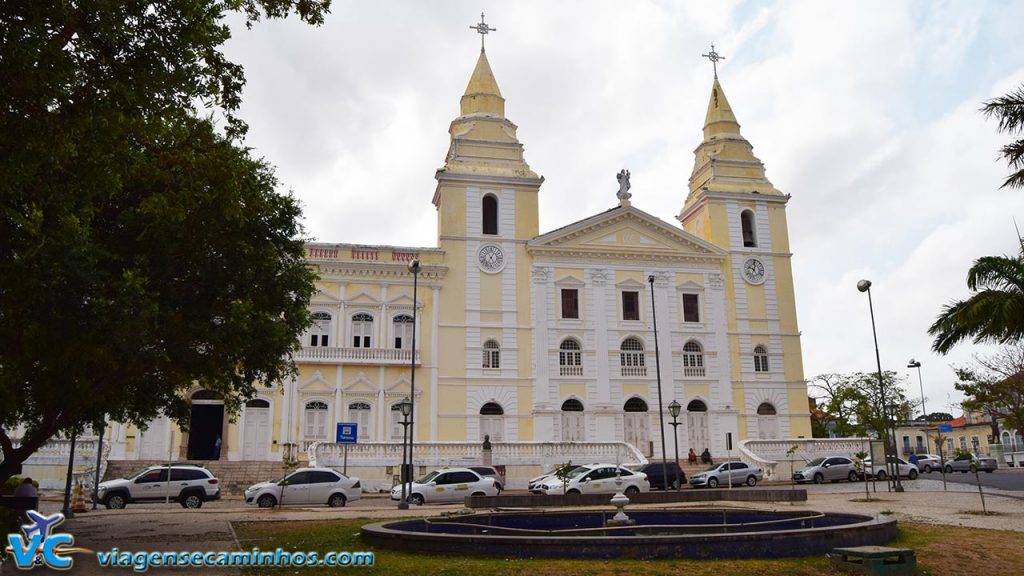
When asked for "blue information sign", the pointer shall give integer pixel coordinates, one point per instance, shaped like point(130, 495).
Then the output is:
point(945, 428)
point(346, 433)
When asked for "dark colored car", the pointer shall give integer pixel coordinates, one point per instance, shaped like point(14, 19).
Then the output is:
point(656, 475)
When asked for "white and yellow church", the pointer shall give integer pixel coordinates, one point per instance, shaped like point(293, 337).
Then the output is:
point(538, 338)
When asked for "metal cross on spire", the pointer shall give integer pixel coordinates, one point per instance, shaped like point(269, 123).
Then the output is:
point(482, 29)
point(714, 57)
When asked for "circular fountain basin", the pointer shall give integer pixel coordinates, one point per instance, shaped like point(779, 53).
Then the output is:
point(693, 533)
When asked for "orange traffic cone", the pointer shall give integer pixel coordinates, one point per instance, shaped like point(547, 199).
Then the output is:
point(78, 504)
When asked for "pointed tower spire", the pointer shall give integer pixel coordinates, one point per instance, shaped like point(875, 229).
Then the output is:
point(725, 160)
point(482, 94)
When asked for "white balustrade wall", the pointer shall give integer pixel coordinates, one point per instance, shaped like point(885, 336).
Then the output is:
point(770, 454)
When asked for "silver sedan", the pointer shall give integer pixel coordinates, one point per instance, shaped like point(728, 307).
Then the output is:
point(738, 473)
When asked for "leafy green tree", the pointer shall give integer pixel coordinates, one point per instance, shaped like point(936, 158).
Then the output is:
point(144, 250)
point(934, 417)
point(1009, 111)
point(855, 401)
point(995, 386)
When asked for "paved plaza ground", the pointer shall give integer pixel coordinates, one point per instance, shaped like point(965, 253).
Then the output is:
point(153, 527)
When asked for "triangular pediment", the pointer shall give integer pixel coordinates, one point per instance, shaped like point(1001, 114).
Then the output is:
point(316, 383)
point(321, 297)
point(628, 231)
point(360, 385)
point(363, 298)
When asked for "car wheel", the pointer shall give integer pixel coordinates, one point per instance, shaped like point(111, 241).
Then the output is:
point(881, 475)
point(712, 482)
point(573, 491)
point(928, 468)
point(852, 477)
point(675, 484)
point(416, 499)
point(751, 481)
point(115, 501)
point(949, 469)
point(912, 475)
point(336, 501)
point(478, 494)
point(191, 500)
point(632, 490)
point(988, 471)
point(266, 501)
point(818, 478)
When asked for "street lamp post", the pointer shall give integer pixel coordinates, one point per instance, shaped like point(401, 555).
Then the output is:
point(893, 407)
point(865, 286)
point(673, 409)
point(405, 407)
point(414, 267)
point(915, 364)
point(657, 368)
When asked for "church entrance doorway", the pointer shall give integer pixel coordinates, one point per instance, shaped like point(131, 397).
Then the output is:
point(697, 425)
point(767, 421)
point(256, 437)
point(206, 426)
point(636, 425)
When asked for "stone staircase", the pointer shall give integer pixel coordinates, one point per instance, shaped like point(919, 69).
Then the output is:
point(234, 477)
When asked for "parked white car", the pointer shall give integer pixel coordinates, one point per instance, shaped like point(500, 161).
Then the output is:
point(736, 473)
point(188, 485)
point(907, 470)
point(305, 487)
point(598, 479)
point(446, 485)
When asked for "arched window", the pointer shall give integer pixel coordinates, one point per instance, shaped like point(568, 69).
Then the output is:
point(693, 359)
point(257, 403)
point(635, 424)
point(768, 424)
point(760, 359)
point(490, 214)
point(492, 354)
point(572, 421)
point(362, 330)
point(396, 422)
point(631, 357)
point(747, 222)
point(403, 326)
point(696, 406)
point(320, 330)
point(316, 420)
point(570, 360)
point(492, 421)
point(359, 412)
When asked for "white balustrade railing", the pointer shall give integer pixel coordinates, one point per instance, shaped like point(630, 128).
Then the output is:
point(431, 454)
point(356, 355)
point(768, 454)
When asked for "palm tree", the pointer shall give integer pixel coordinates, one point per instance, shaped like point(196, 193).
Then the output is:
point(1009, 110)
point(995, 312)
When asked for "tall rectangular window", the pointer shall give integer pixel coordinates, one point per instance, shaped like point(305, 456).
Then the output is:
point(570, 303)
point(691, 308)
point(630, 305)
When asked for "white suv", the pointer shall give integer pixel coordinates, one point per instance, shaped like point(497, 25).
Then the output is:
point(597, 479)
point(188, 485)
point(306, 486)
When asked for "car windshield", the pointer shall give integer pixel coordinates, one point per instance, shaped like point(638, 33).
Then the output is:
point(816, 462)
point(428, 477)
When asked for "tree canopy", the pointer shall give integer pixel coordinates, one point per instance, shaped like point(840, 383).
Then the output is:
point(854, 402)
point(995, 386)
point(144, 251)
point(1009, 111)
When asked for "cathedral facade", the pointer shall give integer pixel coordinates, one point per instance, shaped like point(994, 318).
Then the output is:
point(526, 336)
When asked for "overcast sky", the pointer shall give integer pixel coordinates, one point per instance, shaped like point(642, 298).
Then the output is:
point(865, 112)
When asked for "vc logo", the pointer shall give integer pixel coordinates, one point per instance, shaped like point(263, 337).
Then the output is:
point(40, 546)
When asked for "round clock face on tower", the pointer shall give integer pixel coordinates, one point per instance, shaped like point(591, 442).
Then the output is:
point(753, 271)
point(491, 258)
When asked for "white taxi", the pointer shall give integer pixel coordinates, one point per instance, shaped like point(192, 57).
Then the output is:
point(598, 479)
point(446, 485)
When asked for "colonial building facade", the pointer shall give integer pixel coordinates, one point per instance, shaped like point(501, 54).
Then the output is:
point(528, 336)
